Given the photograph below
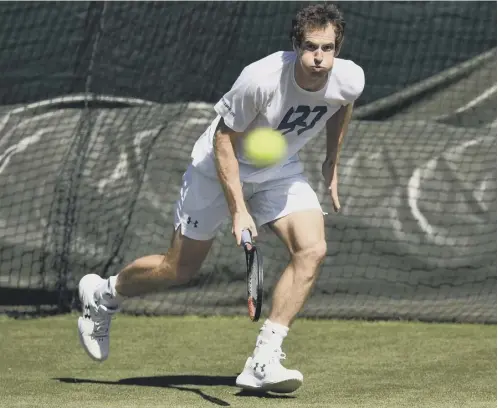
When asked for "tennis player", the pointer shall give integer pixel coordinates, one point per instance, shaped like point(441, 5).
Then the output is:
point(298, 92)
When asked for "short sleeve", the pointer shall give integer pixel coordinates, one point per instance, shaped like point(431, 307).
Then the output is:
point(241, 104)
point(355, 83)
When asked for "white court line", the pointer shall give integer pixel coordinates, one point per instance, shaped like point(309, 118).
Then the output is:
point(82, 98)
point(485, 95)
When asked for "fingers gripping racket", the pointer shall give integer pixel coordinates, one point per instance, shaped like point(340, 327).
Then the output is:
point(254, 262)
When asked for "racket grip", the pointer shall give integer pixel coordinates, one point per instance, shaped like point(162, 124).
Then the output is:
point(246, 237)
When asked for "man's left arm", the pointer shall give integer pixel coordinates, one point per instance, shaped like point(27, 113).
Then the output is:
point(336, 129)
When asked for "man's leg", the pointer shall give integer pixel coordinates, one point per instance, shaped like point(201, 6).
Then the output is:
point(303, 234)
point(293, 212)
point(102, 297)
point(156, 273)
point(199, 212)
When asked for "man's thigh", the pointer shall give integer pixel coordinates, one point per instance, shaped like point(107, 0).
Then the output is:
point(201, 207)
point(276, 199)
point(302, 231)
point(292, 210)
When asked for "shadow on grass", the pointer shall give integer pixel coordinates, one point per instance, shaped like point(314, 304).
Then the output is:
point(177, 382)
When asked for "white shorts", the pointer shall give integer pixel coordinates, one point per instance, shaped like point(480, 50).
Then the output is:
point(202, 207)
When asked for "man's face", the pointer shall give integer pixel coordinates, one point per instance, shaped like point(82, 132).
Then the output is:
point(317, 51)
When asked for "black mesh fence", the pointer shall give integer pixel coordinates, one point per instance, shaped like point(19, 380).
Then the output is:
point(102, 103)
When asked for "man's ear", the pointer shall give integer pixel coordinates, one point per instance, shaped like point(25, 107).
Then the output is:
point(294, 45)
point(339, 47)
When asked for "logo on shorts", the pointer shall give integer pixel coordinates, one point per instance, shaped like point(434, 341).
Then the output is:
point(190, 221)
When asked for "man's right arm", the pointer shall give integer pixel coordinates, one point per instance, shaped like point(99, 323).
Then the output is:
point(237, 110)
point(227, 167)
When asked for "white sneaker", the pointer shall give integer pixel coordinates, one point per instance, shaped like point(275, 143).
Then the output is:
point(264, 372)
point(95, 322)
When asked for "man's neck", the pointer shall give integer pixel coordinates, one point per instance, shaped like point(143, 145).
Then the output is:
point(305, 82)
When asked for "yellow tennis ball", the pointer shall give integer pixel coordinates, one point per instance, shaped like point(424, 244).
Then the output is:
point(265, 147)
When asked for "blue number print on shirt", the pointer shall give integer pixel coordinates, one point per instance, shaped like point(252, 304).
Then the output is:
point(300, 121)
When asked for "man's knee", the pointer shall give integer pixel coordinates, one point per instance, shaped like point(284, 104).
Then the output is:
point(184, 258)
point(309, 258)
point(185, 270)
point(179, 270)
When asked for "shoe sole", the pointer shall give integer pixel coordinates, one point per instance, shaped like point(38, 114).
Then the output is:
point(282, 387)
point(86, 350)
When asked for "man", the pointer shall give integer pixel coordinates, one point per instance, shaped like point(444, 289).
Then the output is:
point(298, 93)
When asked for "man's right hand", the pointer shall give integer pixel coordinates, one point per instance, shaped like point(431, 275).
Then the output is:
point(241, 221)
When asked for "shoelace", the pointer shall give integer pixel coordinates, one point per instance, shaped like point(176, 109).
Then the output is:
point(102, 320)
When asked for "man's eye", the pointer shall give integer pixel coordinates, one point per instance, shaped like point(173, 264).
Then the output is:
point(328, 48)
point(310, 47)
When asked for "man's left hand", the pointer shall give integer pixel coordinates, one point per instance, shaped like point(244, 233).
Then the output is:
point(329, 172)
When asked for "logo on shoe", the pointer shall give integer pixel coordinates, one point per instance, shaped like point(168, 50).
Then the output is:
point(259, 370)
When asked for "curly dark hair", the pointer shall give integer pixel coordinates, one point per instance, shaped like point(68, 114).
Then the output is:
point(318, 16)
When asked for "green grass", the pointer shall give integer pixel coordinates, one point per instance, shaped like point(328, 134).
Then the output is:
point(192, 362)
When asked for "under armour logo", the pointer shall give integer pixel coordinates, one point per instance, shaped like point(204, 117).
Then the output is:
point(195, 222)
point(260, 367)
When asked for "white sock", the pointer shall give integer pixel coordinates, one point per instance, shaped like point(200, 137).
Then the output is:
point(107, 295)
point(272, 334)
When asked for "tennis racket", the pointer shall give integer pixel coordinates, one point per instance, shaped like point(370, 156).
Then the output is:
point(254, 262)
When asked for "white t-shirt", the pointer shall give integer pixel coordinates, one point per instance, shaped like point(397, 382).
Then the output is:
point(266, 95)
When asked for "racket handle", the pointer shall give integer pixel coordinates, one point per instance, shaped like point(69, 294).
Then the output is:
point(246, 237)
